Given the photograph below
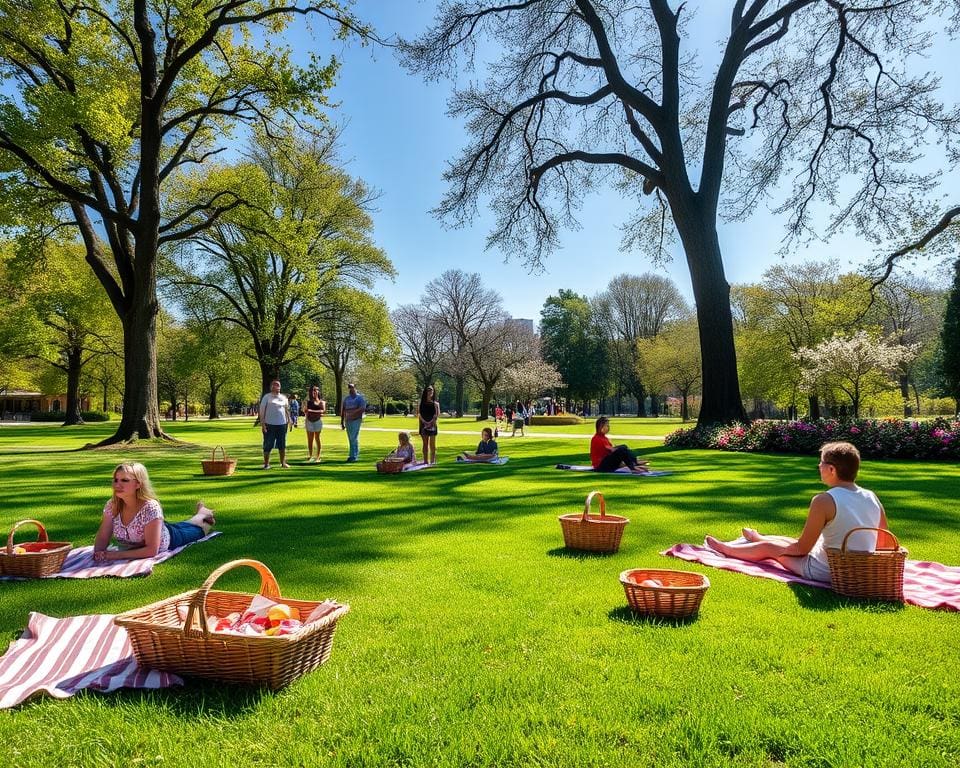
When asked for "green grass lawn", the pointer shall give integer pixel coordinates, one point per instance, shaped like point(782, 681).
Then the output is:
point(474, 639)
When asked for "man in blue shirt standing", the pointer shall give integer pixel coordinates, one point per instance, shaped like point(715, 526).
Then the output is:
point(351, 415)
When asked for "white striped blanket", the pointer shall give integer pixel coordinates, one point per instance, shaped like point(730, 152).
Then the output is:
point(63, 656)
point(81, 565)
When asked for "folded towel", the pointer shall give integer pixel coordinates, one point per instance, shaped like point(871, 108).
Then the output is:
point(621, 471)
point(81, 565)
point(498, 460)
point(925, 584)
point(417, 467)
point(63, 656)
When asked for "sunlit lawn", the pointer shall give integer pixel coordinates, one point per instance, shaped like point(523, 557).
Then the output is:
point(474, 638)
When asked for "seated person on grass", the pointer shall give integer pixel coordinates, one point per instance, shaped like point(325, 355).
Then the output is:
point(832, 515)
point(134, 518)
point(404, 452)
point(607, 458)
point(486, 449)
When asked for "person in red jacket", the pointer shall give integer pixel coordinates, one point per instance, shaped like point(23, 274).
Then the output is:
point(607, 458)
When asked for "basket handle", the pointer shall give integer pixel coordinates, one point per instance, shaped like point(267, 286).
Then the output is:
point(41, 536)
point(886, 534)
point(213, 453)
point(586, 505)
point(198, 603)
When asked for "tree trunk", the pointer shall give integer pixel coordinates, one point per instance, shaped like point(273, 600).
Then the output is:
point(338, 390)
point(905, 394)
point(814, 407)
point(105, 405)
point(74, 365)
point(485, 399)
point(458, 395)
point(721, 401)
point(684, 410)
point(268, 374)
point(141, 412)
point(214, 413)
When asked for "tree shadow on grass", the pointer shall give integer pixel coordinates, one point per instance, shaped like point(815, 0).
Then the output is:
point(818, 599)
point(626, 615)
point(195, 697)
point(578, 554)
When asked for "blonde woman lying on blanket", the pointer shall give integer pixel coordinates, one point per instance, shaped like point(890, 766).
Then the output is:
point(134, 518)
point(832, 515)
point(486, 449)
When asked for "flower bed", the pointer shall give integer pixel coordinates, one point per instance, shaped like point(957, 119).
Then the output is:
point(876, 438)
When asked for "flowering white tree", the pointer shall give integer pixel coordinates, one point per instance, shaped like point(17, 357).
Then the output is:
point(858, 365)
point(532, 377)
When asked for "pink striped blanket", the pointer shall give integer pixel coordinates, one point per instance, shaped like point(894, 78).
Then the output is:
point(925, 584)
point(81, 565)
point(63, 656)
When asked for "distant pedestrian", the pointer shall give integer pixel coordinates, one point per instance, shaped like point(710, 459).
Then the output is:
point(351, 417)
point(518, 419)
point(294, 411)
point(316, 407)
point(428, 414)
point(274, 422)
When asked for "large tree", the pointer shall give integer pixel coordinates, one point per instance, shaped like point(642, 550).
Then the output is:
point(581, 91)
point(571, 341)
point(105, 103)
point(271, 267)
point(421, 340)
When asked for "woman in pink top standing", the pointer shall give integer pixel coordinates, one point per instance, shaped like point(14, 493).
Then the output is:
point(833, 514)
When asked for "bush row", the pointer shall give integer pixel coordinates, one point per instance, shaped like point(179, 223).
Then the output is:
point(560, 419)
point(876, 438)
point(60, 416)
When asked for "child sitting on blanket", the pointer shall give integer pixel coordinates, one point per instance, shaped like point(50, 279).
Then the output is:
point(404, 451)
point(134, 518)
point(832, 516)
point(486, 449)
point(606, 458)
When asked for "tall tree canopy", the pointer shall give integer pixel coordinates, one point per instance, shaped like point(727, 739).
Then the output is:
point(581, 92)
point(105, 103)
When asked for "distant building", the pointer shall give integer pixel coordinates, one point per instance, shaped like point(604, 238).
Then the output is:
point(17, 404)
point(523, 323)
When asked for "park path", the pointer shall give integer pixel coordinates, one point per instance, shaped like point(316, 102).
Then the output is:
point(528, 434)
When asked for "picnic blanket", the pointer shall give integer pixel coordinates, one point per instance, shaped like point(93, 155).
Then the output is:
point(925, 584)
point(621, 471)
point(498, 460)
point(417, 467)
point(81, 565)
point(63, 656)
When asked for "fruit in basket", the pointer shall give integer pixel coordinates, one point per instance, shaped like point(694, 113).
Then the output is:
point(651, 583)
point(19, 551)
point(281, 612)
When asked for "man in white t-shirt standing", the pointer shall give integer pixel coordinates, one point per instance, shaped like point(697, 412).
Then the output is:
point(274, 421)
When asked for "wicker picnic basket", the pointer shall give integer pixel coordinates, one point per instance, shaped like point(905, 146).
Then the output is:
point(876, 575)
point(678, 596)
point(593, 533)
point(390, 466)
point(162, 641)
point(222, 466)
point(41, 558)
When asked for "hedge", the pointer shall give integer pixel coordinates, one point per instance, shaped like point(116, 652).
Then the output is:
point(559, 420)
point(875, 438)
point(60, 416)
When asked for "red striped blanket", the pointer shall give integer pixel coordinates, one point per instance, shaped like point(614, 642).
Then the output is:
point(925, 584)
point(81, 565)
point(63, 656)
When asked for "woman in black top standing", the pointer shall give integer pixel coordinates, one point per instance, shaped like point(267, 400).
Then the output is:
point(428, 414)
point(314, 407)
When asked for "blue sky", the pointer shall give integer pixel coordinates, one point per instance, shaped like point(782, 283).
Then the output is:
point(398, 138)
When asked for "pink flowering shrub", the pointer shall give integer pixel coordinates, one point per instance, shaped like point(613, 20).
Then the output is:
point(876, 438)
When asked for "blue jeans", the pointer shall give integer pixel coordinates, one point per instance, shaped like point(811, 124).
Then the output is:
point(353, 437)
point(183, 533)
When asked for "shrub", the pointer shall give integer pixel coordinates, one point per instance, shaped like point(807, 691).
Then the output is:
point(875, 438)
point(560, 420)
point(60, 416)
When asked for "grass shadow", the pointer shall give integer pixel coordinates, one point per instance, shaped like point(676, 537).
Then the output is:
point(578, 554)
point(818, 599)
point(626, 615)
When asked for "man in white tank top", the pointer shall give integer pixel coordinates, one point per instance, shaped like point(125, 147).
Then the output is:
point(832, 515)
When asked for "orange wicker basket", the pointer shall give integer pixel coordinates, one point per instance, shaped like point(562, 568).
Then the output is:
point(40, 558)
point(162, 641)
point(875, 575)
point(390, 466)
point(593, 533)
point(678, 595)
point(222, 466)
